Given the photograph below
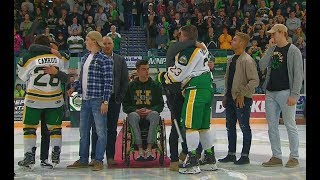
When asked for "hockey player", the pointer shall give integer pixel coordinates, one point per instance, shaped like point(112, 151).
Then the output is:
point(45, 133)
point(44, 73)
point(192, 70)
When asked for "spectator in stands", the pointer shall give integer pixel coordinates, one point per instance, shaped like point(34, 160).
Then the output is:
point(257, 26)
point(64, 15)
point(245, 27)
point(217, 4)
point(44, 6)
point(49, 34)
point(249, 7)
point(211, 40)
point(263, 10)
point(170, 7)
point(29, 6)
point(74, 14)
point(262, 40)
point(278, 18)
point(231, 8)
point(162, 40)
point(283, 84)
point(19, 92)
point(221, 21)
point(89, 11)
point(177, 22)
point(39, 18)
point(99, 29)
point(116, 38)
point(61, 42)
point(293, 23)
point(273, 7)
point(225, 39)
point(114, 14)
point(201, 26)
point(127, 13)
point(61, 28)
point(255, 50)
point(164, 24)
point(161, 6)
point(241, 79)
point(18, 42)
point(136, 12)
point(151, 30)
point(75, 25)
point(298, 11)
point(235, 25)
point(88, 26)
point(100, 17)
point(151, 11)
point(270, 24)
point(51, 20)
point(75, 43)
point(25, 29)
point(143, 100)
point(204, 6)
point(297, 34)
point(182, 7)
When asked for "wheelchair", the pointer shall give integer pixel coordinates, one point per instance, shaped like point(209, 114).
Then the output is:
point(128, 142)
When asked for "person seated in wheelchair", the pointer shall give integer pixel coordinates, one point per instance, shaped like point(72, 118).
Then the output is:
point(143, 101)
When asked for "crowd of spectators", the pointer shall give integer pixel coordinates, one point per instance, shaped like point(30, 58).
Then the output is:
point(217, 20)
point(65, 21)
point(68, 21)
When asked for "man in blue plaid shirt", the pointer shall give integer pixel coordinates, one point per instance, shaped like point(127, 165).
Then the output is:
point(95, 85)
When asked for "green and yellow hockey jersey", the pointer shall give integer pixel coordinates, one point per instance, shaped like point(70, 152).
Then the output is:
point(189, 63)
point(43, 90)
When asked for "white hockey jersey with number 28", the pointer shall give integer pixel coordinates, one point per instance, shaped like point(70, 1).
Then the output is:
point(43, 90)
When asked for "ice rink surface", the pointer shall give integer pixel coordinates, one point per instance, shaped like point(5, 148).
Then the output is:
point(260, 152)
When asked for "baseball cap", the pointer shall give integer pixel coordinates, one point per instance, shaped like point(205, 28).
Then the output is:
point(278, 28)
point(95, 35)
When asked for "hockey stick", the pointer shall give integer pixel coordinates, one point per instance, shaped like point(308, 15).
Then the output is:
point(178, 129)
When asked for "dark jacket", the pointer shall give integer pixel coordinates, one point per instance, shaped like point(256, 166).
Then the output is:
point(121, 77)
point(173, 50)
point(143, 95)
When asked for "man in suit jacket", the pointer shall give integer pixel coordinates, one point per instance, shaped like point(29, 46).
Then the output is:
point(120, 84)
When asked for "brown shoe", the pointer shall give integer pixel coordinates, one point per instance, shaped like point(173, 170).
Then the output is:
point(91, 163)
point(273, 162)
point(77, 165)
point(182, 156)
point(111, 162)
point(174, 166)
point(97, 166)
point(292, 162)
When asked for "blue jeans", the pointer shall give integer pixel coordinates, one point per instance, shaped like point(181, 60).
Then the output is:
point(112, 123)
point(233, 114)
point(92, 106)
point(276, 102)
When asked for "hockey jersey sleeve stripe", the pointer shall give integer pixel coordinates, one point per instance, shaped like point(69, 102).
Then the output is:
point(34, 91)
point(37, 57)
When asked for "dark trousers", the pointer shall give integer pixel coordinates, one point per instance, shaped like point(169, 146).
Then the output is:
point(112, 122)
point(243, 115)
point(45, 139)
point(175, 102)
